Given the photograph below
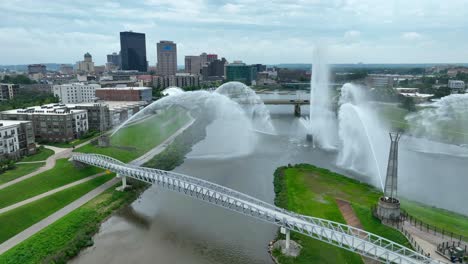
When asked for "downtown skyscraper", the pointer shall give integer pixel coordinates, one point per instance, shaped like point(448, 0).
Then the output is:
point(167, 58)
point(133, 51)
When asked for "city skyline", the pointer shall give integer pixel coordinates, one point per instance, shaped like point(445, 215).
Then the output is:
point(353, 31)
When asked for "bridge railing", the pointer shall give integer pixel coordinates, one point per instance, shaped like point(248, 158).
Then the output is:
point(341, 235)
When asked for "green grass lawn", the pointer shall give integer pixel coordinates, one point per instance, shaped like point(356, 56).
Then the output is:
point(74, 142)
point(133, 141)
point(69, 233)
point(63, 173)
point(440, 218)
point(25, 216)
point(393, 115)
point(42, 154)
point(19, 171)
point(313, 191)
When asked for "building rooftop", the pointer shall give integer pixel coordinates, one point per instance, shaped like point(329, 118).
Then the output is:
point(50, 109)
point(7, 123)
point(112, 104)
point(125, 88)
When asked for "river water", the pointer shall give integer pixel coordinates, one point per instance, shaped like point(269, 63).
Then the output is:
point(166, 227)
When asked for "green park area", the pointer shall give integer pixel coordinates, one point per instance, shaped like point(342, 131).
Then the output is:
point(139, 137)
point(19, 170)
point(64, 238)
point(41, 155)
point(25, 216)
point(63, 173)
point(313, 191)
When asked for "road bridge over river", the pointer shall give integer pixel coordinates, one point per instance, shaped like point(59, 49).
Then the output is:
point(337, 234)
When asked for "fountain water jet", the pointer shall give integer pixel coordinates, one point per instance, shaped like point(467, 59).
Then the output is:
point(322, 123)
point(362, 137)
point(230, 129)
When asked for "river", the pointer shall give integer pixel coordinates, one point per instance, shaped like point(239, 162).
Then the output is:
point(166, 227)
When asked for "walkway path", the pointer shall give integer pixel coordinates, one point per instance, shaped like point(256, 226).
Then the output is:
point(10, 243)
point(42, 195)
point(351, 219)
point(428, 241)
point(20, 237)
point(60, 153)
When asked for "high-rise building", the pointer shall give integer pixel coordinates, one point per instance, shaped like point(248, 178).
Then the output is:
point(203, 58)
point(113, 60)
point(8, 91)
point(240, 72)
point(87, 65)
point(133, 51)
point(211, 57)
point(215, 68)
point(37, 68)
point(167, 58)
point(193, 64)
point(66, 69)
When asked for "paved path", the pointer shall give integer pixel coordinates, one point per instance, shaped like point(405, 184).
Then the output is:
point(10, 243)
point(42, 195)
point(60, 153)
point(351, 219)
point(55, 216)
point(427, 240)
point(29, 162)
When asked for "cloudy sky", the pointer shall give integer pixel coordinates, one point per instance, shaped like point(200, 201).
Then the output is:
point(255, 31)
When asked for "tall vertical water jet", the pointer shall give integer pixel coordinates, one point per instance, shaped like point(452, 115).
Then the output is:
point(362, 136)
point(322, 120)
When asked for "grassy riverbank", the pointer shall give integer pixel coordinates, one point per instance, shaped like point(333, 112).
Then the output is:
point(19, 171)
point(25, 216)
point(134, 140)
point(41, 155)
point(63, 173)
point(63, 239)
point(313, 191)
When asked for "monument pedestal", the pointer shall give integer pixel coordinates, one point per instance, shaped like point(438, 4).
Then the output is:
point(388, 208)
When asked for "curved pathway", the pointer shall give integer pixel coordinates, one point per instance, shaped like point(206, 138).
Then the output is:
point(25, 234)
point(64, 153)
point(42, 195)
point(59, 153)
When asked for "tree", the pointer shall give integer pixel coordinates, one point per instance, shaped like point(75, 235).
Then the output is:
point(408, 103)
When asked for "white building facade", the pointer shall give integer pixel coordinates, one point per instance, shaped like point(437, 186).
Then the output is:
point(9, 143)
point(74, 93)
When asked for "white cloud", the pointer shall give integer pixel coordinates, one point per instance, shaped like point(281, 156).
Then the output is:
point(352, 34)
point(231, 8)
point(411, 36)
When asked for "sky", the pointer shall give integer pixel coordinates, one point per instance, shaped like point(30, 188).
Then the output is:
point(254, 31)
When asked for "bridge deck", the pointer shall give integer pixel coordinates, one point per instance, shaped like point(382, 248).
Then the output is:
point(337, 234)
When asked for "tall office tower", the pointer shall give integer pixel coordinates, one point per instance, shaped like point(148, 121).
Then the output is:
point(133, 51)
point(167, 58)
point(211, 57)
point(193, 64)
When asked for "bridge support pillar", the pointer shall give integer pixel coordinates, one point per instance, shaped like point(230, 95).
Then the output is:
point(288, 239)
point(297, 110)
point(124, 183)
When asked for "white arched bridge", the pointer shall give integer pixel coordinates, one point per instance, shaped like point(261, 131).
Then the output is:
point(340, 235)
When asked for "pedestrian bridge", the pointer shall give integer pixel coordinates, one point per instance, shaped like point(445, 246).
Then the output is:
point(340, 235)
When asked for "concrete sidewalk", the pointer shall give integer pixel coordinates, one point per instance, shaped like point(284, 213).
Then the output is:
point(10, 243)
point(42, 195)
